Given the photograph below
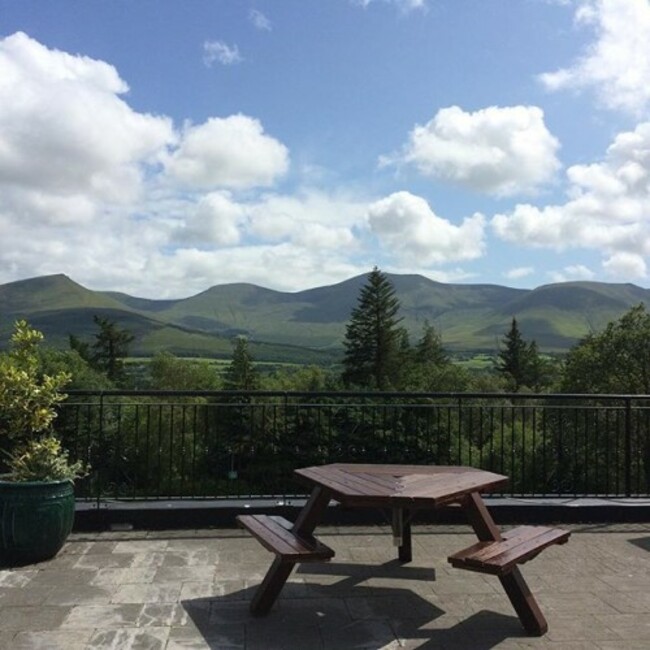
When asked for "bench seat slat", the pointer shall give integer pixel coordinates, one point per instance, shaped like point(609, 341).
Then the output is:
point(517, 546)
point(275, 534)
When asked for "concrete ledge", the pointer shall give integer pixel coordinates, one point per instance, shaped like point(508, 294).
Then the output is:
point(181, 513)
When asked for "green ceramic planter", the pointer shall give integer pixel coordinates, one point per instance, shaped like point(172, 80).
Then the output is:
point(35, 520)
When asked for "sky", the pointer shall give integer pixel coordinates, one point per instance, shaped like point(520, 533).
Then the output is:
point(161, 147)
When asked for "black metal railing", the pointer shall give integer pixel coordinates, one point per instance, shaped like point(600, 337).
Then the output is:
point(198, 445)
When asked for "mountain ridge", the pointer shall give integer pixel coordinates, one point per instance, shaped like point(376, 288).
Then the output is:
point(469, 317)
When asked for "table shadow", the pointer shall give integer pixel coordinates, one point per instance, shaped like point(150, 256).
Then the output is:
point(642, 542)
point(391, 569)
point(346, 614)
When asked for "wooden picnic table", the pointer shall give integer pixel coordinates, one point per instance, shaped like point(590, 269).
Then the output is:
point(404, 489)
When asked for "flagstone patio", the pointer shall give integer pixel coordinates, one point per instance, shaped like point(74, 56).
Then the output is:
point(191, 589)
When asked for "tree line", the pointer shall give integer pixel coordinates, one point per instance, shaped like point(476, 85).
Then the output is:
point(379, 355)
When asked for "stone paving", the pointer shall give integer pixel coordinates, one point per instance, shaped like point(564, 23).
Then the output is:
point(191, 589)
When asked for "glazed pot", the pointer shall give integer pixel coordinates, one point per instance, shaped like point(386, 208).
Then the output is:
point(35, 520)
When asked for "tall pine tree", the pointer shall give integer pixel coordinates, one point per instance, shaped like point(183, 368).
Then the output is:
point(519, 361)
point(241, 373)
point(373, 337)
point(429, 349)
point(110, 348)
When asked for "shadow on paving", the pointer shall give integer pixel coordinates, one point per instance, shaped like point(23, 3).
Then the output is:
point(479, 631)
point(346, 614)
point(642, 542)
point(354, 572)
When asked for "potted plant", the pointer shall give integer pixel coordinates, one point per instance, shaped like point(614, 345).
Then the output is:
point(36, 484)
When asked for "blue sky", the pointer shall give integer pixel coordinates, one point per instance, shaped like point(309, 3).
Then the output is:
point(162, 147)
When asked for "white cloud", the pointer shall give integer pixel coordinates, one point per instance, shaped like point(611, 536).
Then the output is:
point(109, 253)
point(309, 215)
point(221, 52)
point(572, 272)
point(285, 267)
point(617, 64)
point(404, 5)
point(608, 208)
point(626, 266)
point(214, 220)
point(498, 150)
point(309, 219)
point(315, 236)
point(408, 228)
point(259, 20)
point(68, 143)
point(90, 187)
point(519, 272)
point(232, 152)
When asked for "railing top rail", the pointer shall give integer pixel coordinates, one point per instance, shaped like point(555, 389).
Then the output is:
point(353, 394)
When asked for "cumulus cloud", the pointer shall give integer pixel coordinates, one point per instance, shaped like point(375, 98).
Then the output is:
point(218, 51)
point(498, 150)
point(408, 228)
point(617, 64)
point(608, 208)
point(625, 266)
point(232, 152)
point(68, 141)
point(307, 216)
point(218, 237)
point(214, 220)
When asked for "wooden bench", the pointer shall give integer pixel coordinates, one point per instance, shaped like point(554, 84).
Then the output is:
point(517, 546)
point(275, 534)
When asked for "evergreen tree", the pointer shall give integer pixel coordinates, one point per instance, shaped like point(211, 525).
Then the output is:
point(373, 338)
point(430, 368)
point(241, 373)
point(429, 350)
point(110, 348)
point(82, 348)
point(519, 361)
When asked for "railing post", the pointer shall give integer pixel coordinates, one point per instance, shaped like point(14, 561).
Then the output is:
point(285, 436)
point(628, 446)
point(100, 446)
point(460, 430)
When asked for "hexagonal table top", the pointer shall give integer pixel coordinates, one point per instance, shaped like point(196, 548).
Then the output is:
point(400, 485)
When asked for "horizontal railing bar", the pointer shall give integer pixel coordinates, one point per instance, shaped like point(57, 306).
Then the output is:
point(348, 394)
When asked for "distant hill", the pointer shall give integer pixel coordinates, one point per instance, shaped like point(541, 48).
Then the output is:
point(309, 326)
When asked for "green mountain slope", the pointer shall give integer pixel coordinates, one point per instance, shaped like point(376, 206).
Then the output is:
point(310, 325)
point(48, 293)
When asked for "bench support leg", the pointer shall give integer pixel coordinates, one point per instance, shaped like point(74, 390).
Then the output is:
point(513, 582)
point(270, 587)
point(524, 602)
point(280, 571)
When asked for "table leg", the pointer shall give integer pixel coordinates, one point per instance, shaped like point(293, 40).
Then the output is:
point(402, 534)
point(280, 570)
point(513, 582)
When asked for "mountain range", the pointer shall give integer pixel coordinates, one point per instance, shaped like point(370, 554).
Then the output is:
point(309, 326)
